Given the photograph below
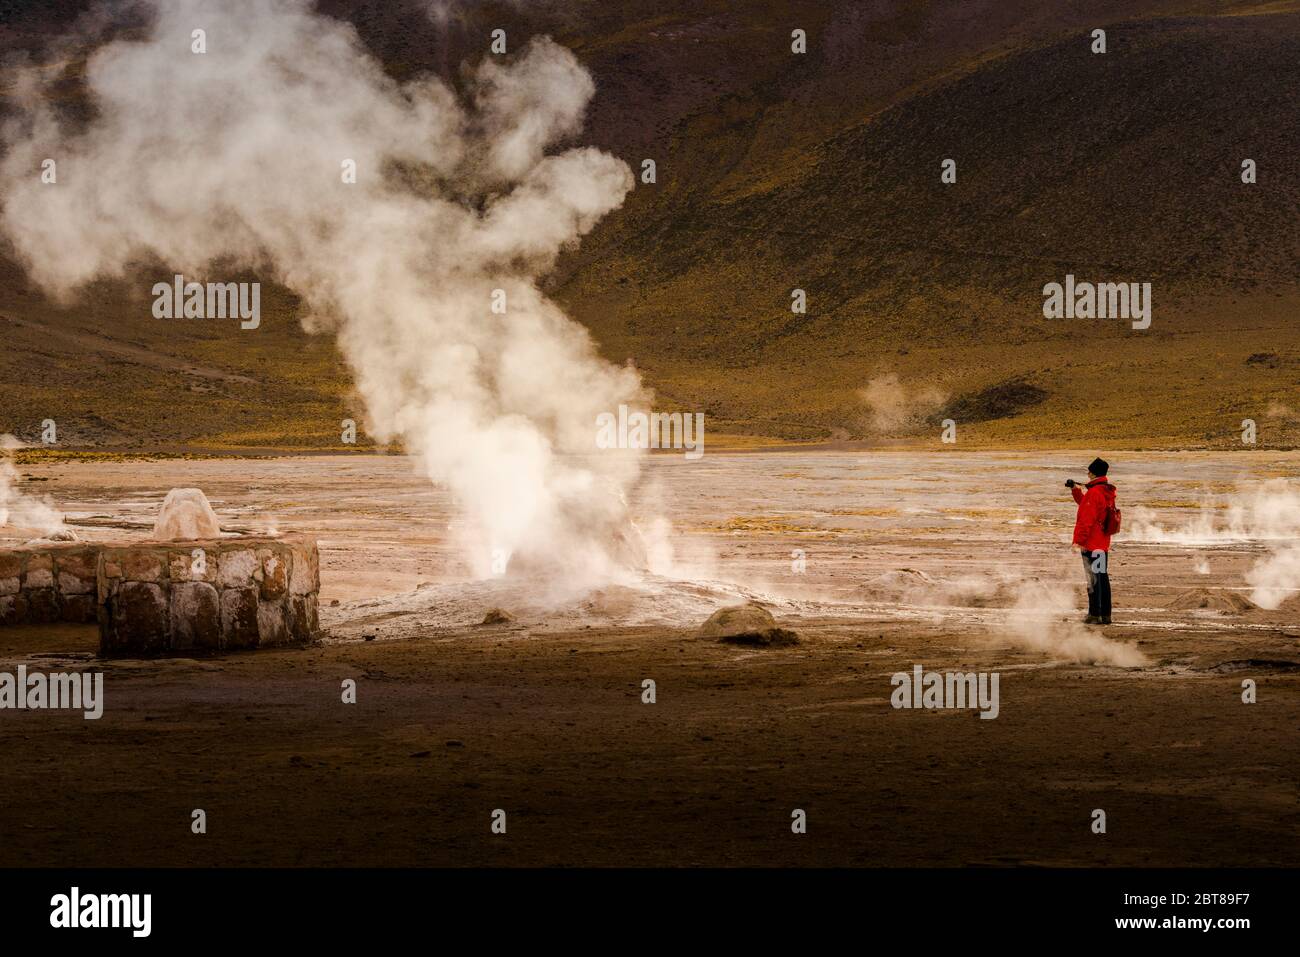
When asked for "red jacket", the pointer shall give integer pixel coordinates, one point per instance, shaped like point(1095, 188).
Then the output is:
point(1093, 499)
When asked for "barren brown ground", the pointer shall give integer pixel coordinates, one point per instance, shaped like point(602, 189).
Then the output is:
point(543, 718)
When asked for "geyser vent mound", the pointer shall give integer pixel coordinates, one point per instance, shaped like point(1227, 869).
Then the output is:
point(1208, 599)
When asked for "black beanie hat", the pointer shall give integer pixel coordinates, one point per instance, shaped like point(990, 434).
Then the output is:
point(1098, 467)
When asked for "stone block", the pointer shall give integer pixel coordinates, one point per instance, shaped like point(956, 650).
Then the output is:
point(40, 572)
point(13, 610)
point(70, 584)
point(79, 563)
point(195, 617)
point(305, 578)
point(272, 624)
point(304, 618)
point(138, 619)
point(79, 609)
point(159, 598)
point(237, 567)
point(239, 624)
point(195, 563)
point(11, 564)
point(275, 576)
point(42, 606)
point(137, 565)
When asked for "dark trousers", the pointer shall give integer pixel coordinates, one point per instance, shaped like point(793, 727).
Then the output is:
point(1096, 565)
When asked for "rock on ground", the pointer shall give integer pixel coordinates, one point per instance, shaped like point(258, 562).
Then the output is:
point(748, 624)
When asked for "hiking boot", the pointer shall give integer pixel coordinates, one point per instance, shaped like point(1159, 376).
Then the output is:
point(1092, 620)
point(1104, 620)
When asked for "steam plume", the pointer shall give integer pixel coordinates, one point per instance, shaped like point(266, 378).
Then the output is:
point(16, 507)
point(1275, 578)
point(235, 155)
point(1268, 513)
point(895, 407)
point(1035, 622)
point(1030, 614)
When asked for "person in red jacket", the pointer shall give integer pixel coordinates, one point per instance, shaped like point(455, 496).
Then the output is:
point(1091, 540)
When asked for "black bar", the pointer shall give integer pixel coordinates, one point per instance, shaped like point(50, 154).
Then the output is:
point(975, 905)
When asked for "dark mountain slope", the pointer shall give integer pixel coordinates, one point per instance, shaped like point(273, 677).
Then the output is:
point(821, 172)
point(1118, 167)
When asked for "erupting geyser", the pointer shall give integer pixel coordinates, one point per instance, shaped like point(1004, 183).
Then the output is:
point(411, 224)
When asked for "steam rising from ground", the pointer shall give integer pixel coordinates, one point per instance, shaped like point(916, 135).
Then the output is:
point(1269, 513)
point(1031, 614)
point(16, 507)
point(442, 11)
point(895, 407)
point(1040, 620)
point(235, 156)
point(1275, 578)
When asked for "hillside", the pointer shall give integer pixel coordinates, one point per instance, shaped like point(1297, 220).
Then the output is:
point(821, 172)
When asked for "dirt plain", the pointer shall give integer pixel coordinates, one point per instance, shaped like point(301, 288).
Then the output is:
point(879, 559)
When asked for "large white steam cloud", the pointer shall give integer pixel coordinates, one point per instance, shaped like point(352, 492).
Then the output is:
point(235, 156)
